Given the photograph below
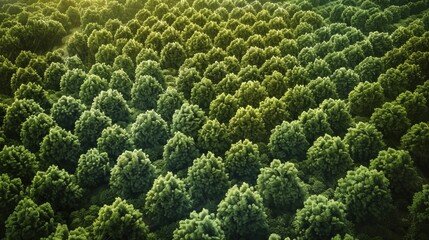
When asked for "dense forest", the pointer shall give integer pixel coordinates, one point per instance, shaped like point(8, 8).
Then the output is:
point(214, 119)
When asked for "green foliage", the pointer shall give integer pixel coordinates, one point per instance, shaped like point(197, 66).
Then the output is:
point(167, 200)
point(364, 142)
point(202, 225)
point(247, 124)
point(173, 55)
point(114, 140)
point(151, 68)
point(288, 141)
point(315, 123)
point(132, 175)
point(198, 43)
point(391, 120)
point(145, 92)
point(30, 221)
point(273, 112)
point(120, 220)
point(328, 159)
point(366, 195)
point(186, 80)
point(34, 129)
point(250, 93)
point(321, 218)
point(398, 167)
point(71, 81)
point(66, 111)
point(419, 214)
point(297, 100)
point(345, 80)
point(168, 102)
point(18, 162)
point(124, 63)
point(243, 161)
point(7, 69)
point(415, 141)
point(322, 88)
point(60, 147)
point(203, 93)
point(338, 115)
point(62, 232)
point(121, 82)
point(23, 76)
point(179, 152)
point(415, 104)
point(150, 131)
point(281, 188)
point(17, 113)
point(394, 82)
point(91, 87)
point(188, 120)
point(89, 127)
point(92, 169)
point(113, 105)
point(223, 107)
point(53, 75)
point(57, 187)
point(242, 214)
point(364, 98)
point(214, 137)
point(33, 91)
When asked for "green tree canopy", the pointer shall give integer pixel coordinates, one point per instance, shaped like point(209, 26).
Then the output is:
point(89, 127)
point(34, 129)
point(247, 123)
point(315, 123)
point(179, 152)
point(17, 113)
point(188, 120)
point(168, 102)
point(243, 161)
point(223, 107)
point(214, 137)
point(92, 169)
point(419, 214)
point(121, 82)
point(71, 81)
point(132, 175)
point(365, 193)
point(66, 111)
point(91, 87)
point(338, 115)
point(18, 162)
point(288, 141)
point(415, 141)
point(33, 91)
point(242, 214)
point(167, 200)
point(120, 220)
point(113, 105)
point(297, 100)
point(145, 92)
point(202, 225)
point(114, 140)
point(391, 120)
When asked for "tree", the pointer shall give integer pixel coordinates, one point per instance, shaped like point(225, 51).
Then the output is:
point(314, 123)
point(242, 214)
point(33, 91)
point(179, 152)
point(7, 69)
point(11, 192)
point(34, 129)
point(398, 167)
point(250, 93)
point(66, 111)
point(203, 93)
point(275, 84)
point(113, 105)
point(145, 92)
point(223, 107)
point(365, 97)
point(214, 137)
point(60, 147)
point(173, 55)
point(22, 76)
point(17, 113)
point(323, 88)
point(281, 188)
point(247, 123)
point(120, 220)
point(321, 218)
point(18, 162)
point(167, 200)
point(370, 69)
point(198, 43)
point(91, 87)
point(30, 220)
point(202, 225)
point(125, 63)
point(53, 75)
point(186, 80)
point(381, 43)
point(62, 232)
point(92, 169)
point(89, 127)
point(345, 80)
point(71, 81)
point(121, 82)
point(243, 161)
point(365, 193)
point(188, 120)
point(106, 54)
point(207, 179)
point(297, 100)
point(114, 140)
point(338, 115)
point(329, 159)
point(415, 104)
point(419, 214)
point(394, 82)
point(132, 175)
point(415, 141)
point(273, 112)
point(288, 141)
point(57, 187)
point(168, 102)
point(101, 70)
point(391, 120)
point(150, 132)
